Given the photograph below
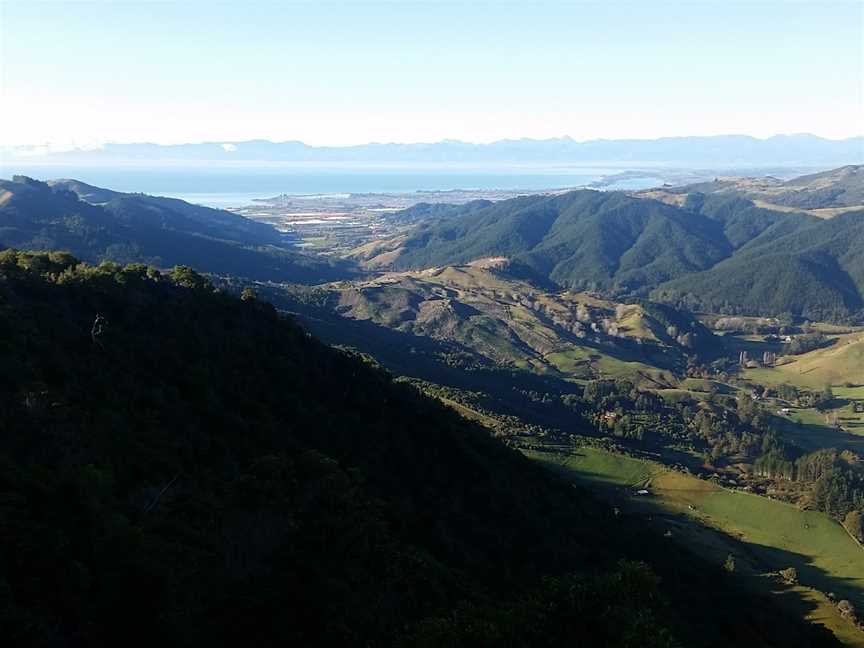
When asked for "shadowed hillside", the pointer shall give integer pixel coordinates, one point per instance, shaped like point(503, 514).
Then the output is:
point(97, 224)
point(198, 468)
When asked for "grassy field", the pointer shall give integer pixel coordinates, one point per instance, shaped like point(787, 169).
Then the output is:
point(840, 366)
point(765, 535)
point(808, 429)
point(583, 362)
point(842, 362)
point(836, 426)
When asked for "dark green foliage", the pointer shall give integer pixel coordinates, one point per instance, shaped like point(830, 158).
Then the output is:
point(854, 523)
point(202, 472)
point(840, 490)
point(160, 231)
point(719, 252)
point(837, 478)
point(815, 272)
point(787, 392)
point(626, 599)
point(583, 239)
point(701, 342)
point(741, 220)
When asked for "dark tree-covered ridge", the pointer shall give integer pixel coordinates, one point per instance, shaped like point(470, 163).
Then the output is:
point(708, 251)
point(197, 470)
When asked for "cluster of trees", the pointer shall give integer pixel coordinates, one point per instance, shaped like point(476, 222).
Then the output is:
point(619, 408)
point(835, 478)
point(757, 326)
point(801, 397)
point(806, 342)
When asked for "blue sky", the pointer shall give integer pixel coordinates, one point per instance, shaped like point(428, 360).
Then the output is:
point(352, 72)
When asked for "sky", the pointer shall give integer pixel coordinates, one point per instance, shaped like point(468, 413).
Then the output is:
point(339, 73)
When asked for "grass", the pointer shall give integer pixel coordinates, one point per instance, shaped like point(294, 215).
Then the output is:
point(842, 367)
point(518, 325)
point(703, 385)
point(842, 362)
point(767, 534)
point(678, 395)
point(611, 468)
point(470, 413)
point(807, 429)
point(584, 362)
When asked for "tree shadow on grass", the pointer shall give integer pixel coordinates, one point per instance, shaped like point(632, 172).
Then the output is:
point(668, 535)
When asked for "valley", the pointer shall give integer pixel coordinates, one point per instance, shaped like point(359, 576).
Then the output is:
point(565, 325)
point(512, 316)
point(762, 536)
point(432, 324)
point(334, 224)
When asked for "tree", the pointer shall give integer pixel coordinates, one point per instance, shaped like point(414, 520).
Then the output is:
point(789, 575)
point(187, 278)
point(248, 294)
point(787, 392)
point(583, 314)
point(847, 611)
point(854, 523)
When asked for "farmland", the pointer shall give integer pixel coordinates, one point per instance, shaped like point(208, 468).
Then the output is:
point(840, 363)
point(764, 535)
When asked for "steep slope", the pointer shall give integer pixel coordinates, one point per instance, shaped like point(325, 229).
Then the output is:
point(199, 470)
point(583, 239)
point(816, 272)
point(743, 222)
point(196, 219)
point(137, 228)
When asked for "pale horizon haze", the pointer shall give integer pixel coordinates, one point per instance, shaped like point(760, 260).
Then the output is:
point(326, 73)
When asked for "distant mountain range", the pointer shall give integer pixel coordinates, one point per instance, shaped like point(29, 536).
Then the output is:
point(710, 246)
point(721, 151)
point(97, 225)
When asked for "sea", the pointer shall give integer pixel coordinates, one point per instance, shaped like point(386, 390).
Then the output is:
point(235, 186)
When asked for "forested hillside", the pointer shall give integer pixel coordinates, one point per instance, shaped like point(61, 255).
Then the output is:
point(97, 224)
point(181, 467)
point(816, 272)
point(583, 239)
point(713, 246)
